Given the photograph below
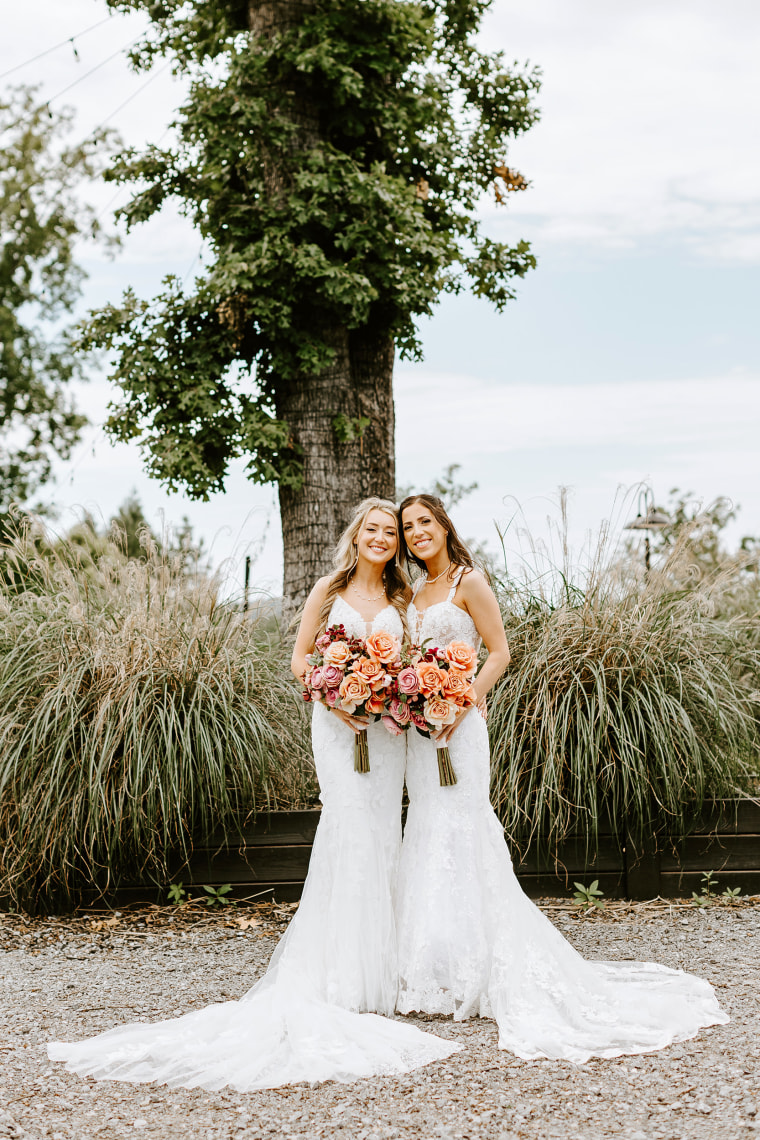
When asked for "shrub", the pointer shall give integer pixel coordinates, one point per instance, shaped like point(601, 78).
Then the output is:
point(137, 713)
point(628, 697)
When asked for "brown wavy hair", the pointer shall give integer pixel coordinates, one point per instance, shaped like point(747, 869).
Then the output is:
point(345, 559)
point(458, 553)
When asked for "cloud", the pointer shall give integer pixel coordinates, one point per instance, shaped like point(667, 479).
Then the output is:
point(648, 112)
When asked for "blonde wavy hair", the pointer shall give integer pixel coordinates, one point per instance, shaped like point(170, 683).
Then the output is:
point(346, 557)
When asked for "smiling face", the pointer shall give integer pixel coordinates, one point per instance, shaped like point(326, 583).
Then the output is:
point(423, 534)
point(377, 540)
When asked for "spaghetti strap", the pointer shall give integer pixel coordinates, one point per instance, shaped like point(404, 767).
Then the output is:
point(417, 585)
point(455, 584)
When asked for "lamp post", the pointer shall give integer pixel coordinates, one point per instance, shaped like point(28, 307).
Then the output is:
point(648, 518)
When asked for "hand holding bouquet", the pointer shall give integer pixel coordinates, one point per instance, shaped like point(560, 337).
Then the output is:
point(430, 689)
point(352, 674)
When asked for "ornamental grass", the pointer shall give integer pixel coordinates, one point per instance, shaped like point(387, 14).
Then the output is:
point(138, 714)
point(631, 699)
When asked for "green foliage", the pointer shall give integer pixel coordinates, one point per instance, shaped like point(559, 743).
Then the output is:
point(41, 221)
point(709, 884)
point(625, 698)
point(217, 896)
point(137, 714)
point(588, 897)
point(350, 429)
point(333, 170)
point(176, 893)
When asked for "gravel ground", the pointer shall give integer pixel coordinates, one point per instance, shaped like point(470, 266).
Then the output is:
point(67, 978)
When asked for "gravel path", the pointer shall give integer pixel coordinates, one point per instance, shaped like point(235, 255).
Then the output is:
point(69, 978)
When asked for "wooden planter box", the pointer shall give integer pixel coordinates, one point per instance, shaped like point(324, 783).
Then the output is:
point(270, 859)
point(272, 856)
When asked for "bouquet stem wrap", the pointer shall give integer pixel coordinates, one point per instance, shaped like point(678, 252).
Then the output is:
point(361, 752)
point(445, 769)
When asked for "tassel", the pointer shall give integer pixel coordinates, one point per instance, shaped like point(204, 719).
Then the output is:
point(445, 769)
point(361, 752)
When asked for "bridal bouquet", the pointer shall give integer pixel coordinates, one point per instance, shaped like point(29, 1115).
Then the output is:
point(429, 689)
point(353, 674)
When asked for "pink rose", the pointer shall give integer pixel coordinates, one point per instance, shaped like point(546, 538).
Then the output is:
point(316, 680)
point(316, 694)
point(332, 698)
point(400, 711)
point(331, 676)
point(391, 725)
point(322, 642)
point(407, 681)
point(418, 720)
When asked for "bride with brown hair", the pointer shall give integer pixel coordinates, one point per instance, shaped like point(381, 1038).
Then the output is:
point(470, 942)
point(308, 1018)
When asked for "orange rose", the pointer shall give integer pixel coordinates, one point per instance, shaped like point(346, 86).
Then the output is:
point(375, 704)
point(337, 653)
point(430, 677)
point(439, 712)
point(457, 687)
point(383, 647)
point(462, 656)
point(353, 690)
point(372, 672)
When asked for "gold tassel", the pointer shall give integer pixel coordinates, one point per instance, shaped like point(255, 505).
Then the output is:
point(445, 769)
point(361, 752)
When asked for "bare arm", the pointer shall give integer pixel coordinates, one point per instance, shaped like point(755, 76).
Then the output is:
point(307, 632)
point(479, 601)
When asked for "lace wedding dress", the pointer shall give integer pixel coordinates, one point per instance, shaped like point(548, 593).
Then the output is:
point(472, 944)
point(306, 1019)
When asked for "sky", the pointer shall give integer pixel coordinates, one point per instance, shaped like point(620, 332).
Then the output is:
point(632, 353)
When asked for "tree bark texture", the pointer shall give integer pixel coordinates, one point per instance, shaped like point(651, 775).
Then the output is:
point(359, 383)
point(337, 475)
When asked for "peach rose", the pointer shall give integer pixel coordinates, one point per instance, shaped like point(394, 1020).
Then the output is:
point(337, 653)
point(462, 656)
point(375, 704)
point(430, 677)
point(382, 647)
point(439, 712)
point(354, 690)
point(457, 687)
point(373, 672)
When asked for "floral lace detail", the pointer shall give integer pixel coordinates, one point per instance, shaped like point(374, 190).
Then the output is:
point(472, 944)
point(304, 1020)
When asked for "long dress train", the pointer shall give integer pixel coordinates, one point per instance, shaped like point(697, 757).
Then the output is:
point(472, 944)
point(306, 1019)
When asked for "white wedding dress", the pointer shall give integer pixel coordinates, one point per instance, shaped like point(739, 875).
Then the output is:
point(472, 944)
point(306, 1019)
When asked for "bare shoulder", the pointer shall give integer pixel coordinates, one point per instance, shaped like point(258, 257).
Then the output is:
point(474, 584)
point(317, 595)
point(319, 589)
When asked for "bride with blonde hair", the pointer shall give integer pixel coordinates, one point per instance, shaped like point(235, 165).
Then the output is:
point(313, 1016)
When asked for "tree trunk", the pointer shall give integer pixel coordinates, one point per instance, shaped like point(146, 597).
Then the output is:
point(359, 383)
point(337, 475)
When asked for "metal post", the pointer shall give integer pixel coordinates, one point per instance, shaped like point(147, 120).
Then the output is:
point(247, 582)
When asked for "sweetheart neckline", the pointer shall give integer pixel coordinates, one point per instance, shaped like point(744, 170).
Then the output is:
point(367, 621)
point(445, 602)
